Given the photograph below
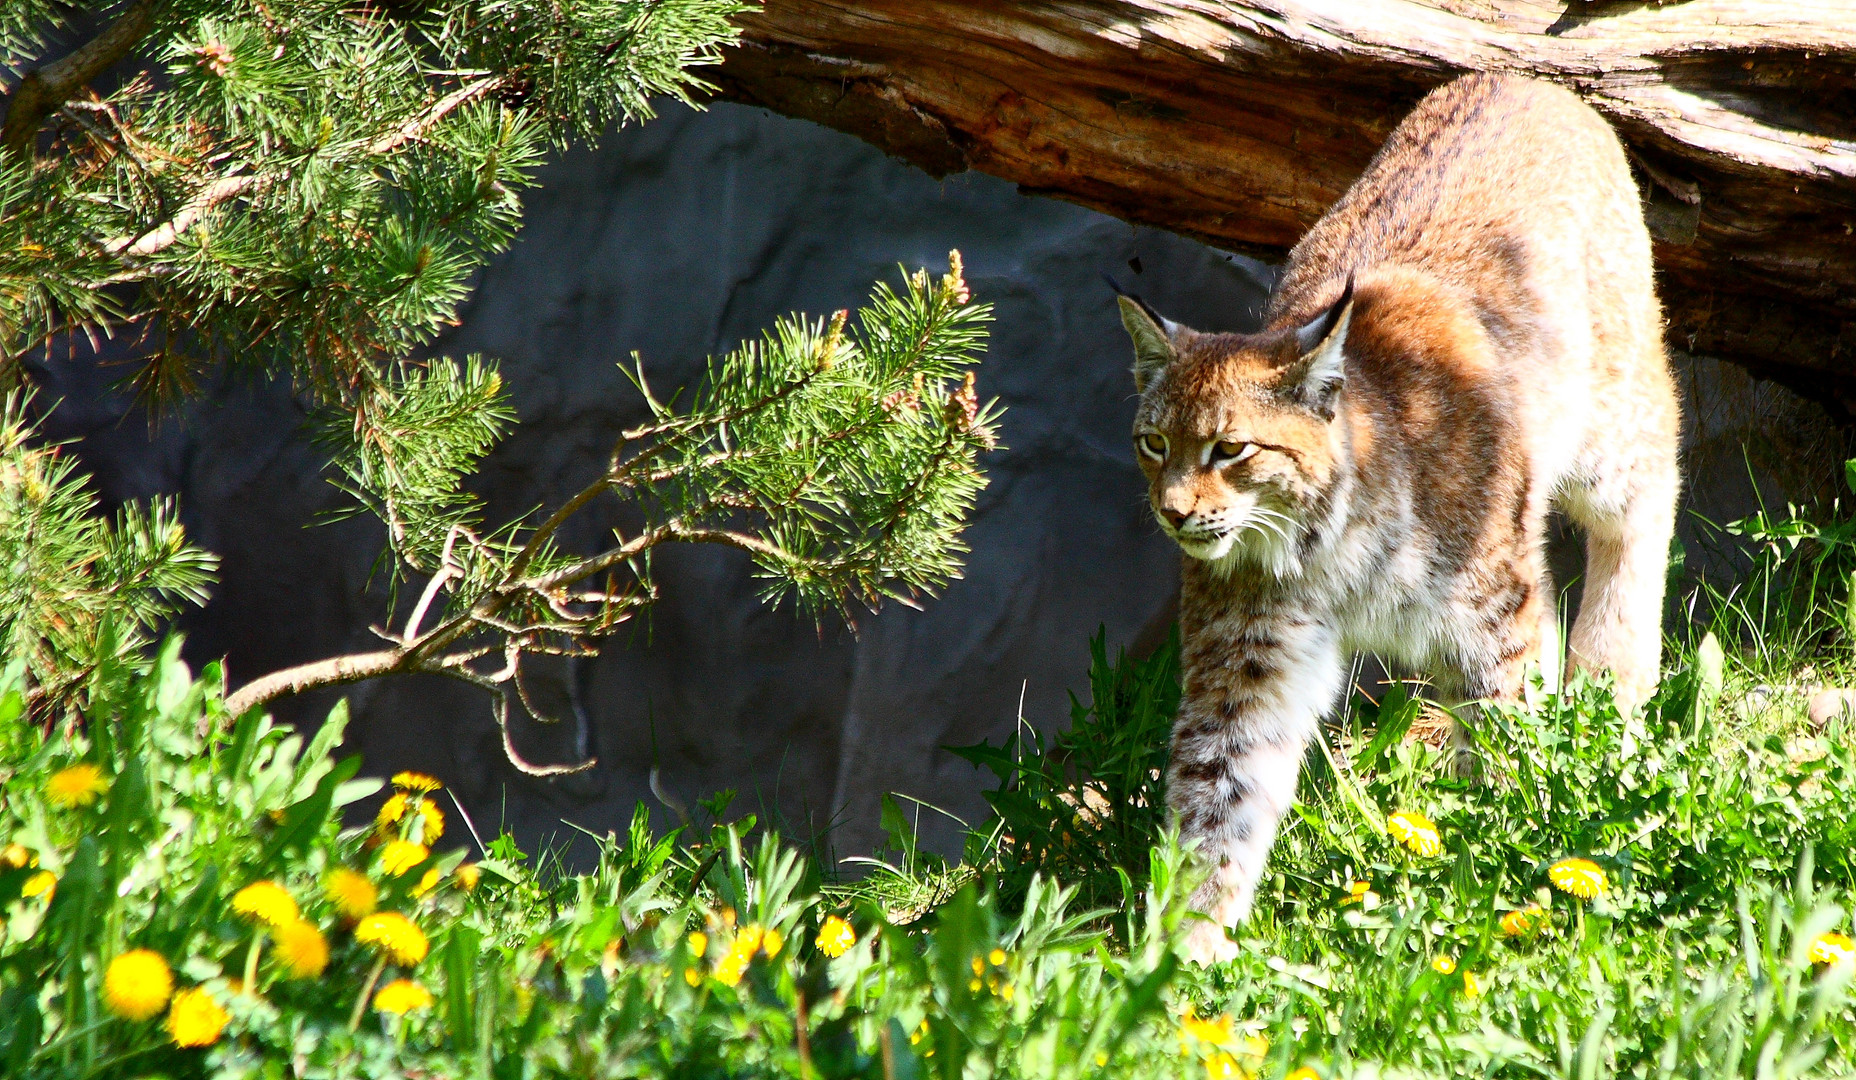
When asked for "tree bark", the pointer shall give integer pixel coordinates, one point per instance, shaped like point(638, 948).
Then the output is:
point(1239, 121)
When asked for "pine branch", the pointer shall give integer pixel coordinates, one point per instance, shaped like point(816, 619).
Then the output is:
point(45, 88)
point(844, 466)
point(227, 188)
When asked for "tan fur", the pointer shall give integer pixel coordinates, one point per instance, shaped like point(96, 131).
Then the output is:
point(1500, 355)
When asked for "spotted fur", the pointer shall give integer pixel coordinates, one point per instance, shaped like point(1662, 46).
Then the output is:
point(1468, 339)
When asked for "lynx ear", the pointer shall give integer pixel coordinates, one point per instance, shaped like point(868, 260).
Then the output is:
point(1153, 346)
point(1318, 373)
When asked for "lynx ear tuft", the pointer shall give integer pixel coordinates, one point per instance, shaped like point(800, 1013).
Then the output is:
point(1320, 370)
point(1153, 346)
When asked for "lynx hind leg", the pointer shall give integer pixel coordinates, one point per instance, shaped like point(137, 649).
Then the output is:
point(1255, 692)
point(1507, 624)
point(1628, 521)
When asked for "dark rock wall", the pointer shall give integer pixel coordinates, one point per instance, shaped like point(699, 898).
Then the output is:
point(677, 240)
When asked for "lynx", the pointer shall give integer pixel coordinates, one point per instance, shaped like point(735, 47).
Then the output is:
point(1468, 339)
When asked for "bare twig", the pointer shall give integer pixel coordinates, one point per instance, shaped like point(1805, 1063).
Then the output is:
point(444, 106)
point(334, 671)
point(547, 528)
point(752, 544)
point(587, 567)
point(445, 572)
point(45, 88)
point(522, 763)
point(163, 236)
point(421, 654)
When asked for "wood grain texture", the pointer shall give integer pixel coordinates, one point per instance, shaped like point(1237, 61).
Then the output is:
point(1239, 122)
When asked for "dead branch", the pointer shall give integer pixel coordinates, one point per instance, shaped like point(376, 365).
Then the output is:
point(1239, 121)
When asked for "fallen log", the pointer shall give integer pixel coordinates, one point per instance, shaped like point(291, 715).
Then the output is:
point(1239, 122)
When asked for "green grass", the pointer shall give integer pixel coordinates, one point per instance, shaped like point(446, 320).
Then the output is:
point(1727, 838)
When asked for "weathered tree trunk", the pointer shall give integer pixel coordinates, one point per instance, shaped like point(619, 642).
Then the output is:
point(1240, 121)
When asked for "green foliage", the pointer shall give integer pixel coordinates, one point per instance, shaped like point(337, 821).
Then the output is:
point(406, 463)
point(1087, 806)
point(847, 451)
point(666, 960)
point(76, 587)
point(1688, 963)
point(307, 186)
point(1796, 601)
point(713, 953)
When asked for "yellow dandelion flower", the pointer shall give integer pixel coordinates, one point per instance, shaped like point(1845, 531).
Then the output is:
point(698, 942)
point(434, 820)
point(733, 964)
point(1582, 878)
point(1444, 965)
point(996, 958)
point(195, 1019)
point(1522, 920)
point(17, 857)
point(1832, 948)
point(835, 937)
point(974, 986)
point(1360, 892)
point(1303, 1073)
point(771, 943)
point(416, 781)
point(1101, 1059)
point(1222, 1066)
point(265, 902)
point(78, 785)
point(427, 882)
point(692, 976)
point(137, 984)
point(393, 810)
point(468, 875)
point(748, 940)
point(979, 966)
point(351, 893)
point(399, 856)
point(44, 882)
point(394, 936)
point(302, 949)
point(402, 996)
point(1416, 832)
point(1472, 986)
point(1216, 1031)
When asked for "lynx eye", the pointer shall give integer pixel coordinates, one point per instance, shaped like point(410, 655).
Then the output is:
point(1225, 451)
point(1153, 445)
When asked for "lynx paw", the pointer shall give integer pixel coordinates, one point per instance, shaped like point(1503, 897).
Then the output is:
point(1208, 944)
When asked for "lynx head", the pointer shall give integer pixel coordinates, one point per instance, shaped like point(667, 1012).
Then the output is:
point(1234, 431)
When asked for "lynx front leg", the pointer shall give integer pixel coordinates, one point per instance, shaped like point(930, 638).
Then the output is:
point(1255, 691)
